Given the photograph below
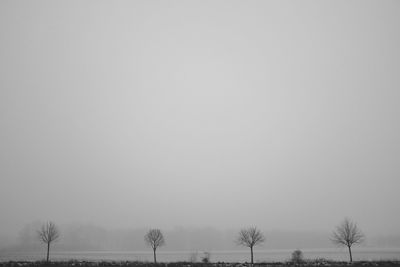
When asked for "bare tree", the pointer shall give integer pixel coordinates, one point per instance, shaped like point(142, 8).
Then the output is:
point(347, 234)
point(250, 237)
point(154, 238)
point(47, 234)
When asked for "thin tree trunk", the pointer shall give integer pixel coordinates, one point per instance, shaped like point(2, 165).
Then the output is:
point(48, 251)
point(251, 251)
point(154, 253)
point(351, 257)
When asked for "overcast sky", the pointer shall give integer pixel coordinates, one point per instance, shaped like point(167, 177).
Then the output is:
point(279, 114)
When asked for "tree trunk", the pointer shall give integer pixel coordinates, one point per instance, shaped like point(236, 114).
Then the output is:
point(351, 257)
point(48, 251)
point(154, 253)
point(251, 251)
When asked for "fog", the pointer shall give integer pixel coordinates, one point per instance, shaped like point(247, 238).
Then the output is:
point(196, 114)
point(87, 237)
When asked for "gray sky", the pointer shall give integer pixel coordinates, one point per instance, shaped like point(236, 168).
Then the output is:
point(278, 114)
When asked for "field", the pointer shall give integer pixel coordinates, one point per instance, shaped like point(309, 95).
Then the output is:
point(189, 264)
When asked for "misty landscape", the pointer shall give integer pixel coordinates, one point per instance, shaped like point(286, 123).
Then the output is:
point(199, 133)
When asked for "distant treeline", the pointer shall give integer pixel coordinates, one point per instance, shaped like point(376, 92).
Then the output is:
point(89, 237)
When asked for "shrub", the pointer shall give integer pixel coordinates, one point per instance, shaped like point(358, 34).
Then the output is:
point(297, 256)
point(206, 257)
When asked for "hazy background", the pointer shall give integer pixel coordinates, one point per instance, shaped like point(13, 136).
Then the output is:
point(195, 114)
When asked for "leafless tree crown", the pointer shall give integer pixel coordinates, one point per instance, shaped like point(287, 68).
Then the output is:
point(250, 237)
point(48, 233)
point(154, 238)
point(347, 234)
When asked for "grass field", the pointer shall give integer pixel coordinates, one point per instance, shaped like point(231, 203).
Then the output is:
point(189, 264)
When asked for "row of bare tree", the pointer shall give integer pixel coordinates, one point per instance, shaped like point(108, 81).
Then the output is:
point(346, 234)
point(50, 233)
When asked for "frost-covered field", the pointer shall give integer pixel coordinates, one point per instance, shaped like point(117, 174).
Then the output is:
point(359, 254)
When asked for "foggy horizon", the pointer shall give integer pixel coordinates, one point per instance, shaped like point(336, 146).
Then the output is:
point(89, 237)
point(163, 114)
